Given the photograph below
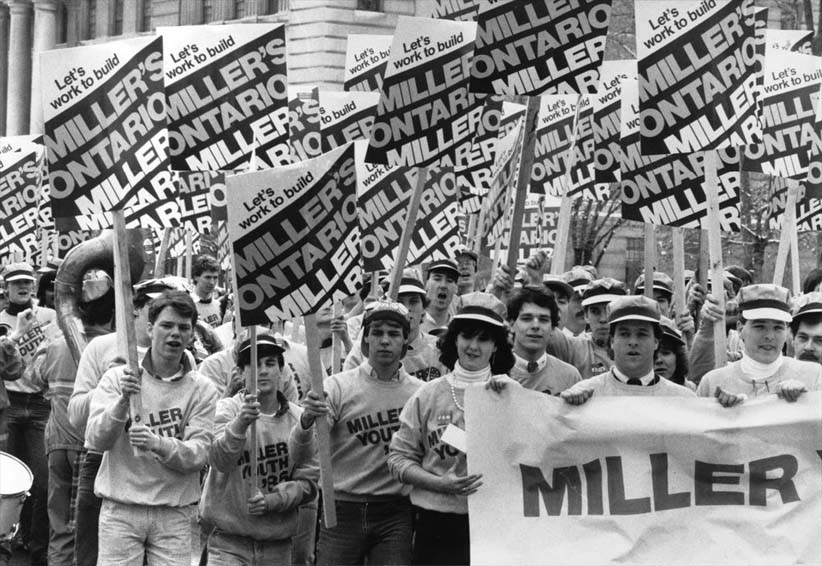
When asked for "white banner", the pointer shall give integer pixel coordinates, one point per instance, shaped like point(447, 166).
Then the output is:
point(644, 480)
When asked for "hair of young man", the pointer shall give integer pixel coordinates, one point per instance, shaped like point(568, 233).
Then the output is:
point(46, 284)
point(203, 263)
point(681, 353)
point(503, 359)
point(244, 358)
point(366, 329)
point(539, 296)
point(181, 302)
point(99, 311)
point(811, 281)
point(811, 319)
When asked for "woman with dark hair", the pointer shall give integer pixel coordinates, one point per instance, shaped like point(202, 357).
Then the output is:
point(476, 350)
point(671, 361)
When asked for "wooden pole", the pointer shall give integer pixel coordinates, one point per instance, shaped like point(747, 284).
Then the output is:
point(715, 243)
point(312, 340)
point(472, 231)
point(481, 230)
point(560, 252)
point(160, 260)
point(44, 248)
point(788, 227)
point(189, 254)
point(123, 309)
point(407, 233)
point(678, 243)
point(650, 260)
point(252, 389)
point(523, 181)
point(336, 343)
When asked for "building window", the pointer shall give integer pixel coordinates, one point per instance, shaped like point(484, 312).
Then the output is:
point(208, 11)
point(239, 9)
point(145, 16)
point(118, 17)
point(91, 13)
point(370, 5)
point(62, 27)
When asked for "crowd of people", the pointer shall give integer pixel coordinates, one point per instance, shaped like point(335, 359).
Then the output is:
point(154, 464)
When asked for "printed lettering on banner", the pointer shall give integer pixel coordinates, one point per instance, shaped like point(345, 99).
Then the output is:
point(294, 233)
point(533, 47)
point(106, 137)
point(195, 188)
point(458, 10)
point(539, 229)
point(366, 57)
point(426, 114)
point(799, 41)
point(644, 477)
point(668, 189)
point(384, 194)
point(789, 102)
point(555, 133)
point(475, 170)
point(227, 89)
point(697, 68)
point(346, 117)
point(304, 123)
point(606, 124)
point(500, 199)
point(21, 176)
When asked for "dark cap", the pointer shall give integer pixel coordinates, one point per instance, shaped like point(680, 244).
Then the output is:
point(18, 271)
point(633, 307)
point(411, 285)
point(669, 330)
point(603, 290)
point(578, 278)
point(386, 309)
point(557, 285)
point(662, 282)
point(266, 343)
point(809, 303)
point(446, 265)
point(470, 253)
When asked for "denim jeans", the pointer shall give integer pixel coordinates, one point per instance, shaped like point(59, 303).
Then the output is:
point(304, 540)
point(380, 532)
point(27, 417)
point(441, 538)
point(232, 550)
point(87, 513)
point(128, 533)
point(64, 466)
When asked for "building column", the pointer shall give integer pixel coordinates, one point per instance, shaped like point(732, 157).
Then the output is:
point(4, 62)
point(191, 12)
point(72, 22)
point(45, 38)
point(19, 65)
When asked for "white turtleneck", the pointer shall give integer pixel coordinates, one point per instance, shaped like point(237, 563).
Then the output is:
point(756, 370)
point(462, 377)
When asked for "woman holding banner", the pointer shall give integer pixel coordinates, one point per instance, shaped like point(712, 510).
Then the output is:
point(476, 350)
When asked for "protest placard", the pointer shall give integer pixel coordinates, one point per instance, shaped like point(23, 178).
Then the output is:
point(539, 228)
point(697, 69)
point(366, 57)
point(789, 100)
point(61, 242)
point(512, 116)
point(651, 480)
point(797, 40)
point(10, 144)
point(345, 117)
point(21, 175)
point(555, 133)
point(607, 103)
point(669, 189)
point(761, 32)
point(460, 10)
point(304, 123)
point(295, 236)
point(105, 133)
point(197, 191)
point(531, 47)
point(500, 198)
point(426, 114)
point(384, 192)
point(227, 91)
point(475, 169)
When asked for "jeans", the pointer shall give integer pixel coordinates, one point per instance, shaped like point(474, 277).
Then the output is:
point(64, 467)
point(87, 513)
point(128, 533)
point(303, 541)
point(27, 417)
point(441, 538)
point(379, 531)
point(232, 550)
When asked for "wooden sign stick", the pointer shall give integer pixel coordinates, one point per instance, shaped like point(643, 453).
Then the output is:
point(715, 245)
point(678, 244)
point(312, 340)
point(558, 256)
point(407, 233)
point(252, 389)
point(124, 308)
point(650, 260)
point(788, 227)
point(160, 260)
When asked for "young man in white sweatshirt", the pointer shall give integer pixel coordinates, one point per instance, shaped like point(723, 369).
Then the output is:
point(149, 478)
